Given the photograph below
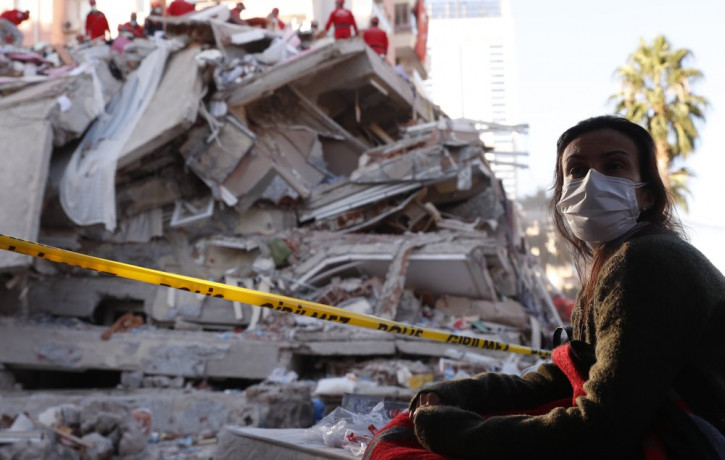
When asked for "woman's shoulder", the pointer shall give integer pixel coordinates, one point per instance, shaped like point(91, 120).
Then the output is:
point(663, 251)
point(658, 244)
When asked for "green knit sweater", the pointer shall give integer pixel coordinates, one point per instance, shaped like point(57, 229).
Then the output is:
point(657, 324)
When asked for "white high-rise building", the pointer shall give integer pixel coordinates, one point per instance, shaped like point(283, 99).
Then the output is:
point(472, 74)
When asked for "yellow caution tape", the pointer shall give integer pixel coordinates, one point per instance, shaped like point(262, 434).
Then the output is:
point(252, 297)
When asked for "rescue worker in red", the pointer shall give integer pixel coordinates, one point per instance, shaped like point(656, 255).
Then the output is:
point(376, 38)
point(9, 22)
point(235, 15)
point(181, 7)
point(343, 20)
point(133, 28)
point(274, 22)
point(96, 23)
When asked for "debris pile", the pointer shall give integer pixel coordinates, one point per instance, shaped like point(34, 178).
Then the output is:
point(235, 154)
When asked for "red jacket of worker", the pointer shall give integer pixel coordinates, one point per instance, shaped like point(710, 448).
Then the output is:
point(180, 8)
point(136, 30)
point(14, 16)
point(280, 25)
point(235, 17)
point(96, 25)
point(377, 39)
point(343, 20)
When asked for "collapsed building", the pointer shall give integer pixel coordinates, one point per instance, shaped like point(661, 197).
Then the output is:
point(230, 154)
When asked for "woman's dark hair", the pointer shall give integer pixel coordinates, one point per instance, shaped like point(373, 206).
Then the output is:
point(659, 215)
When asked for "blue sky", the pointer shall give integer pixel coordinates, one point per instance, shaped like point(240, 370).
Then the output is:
point(566, 54)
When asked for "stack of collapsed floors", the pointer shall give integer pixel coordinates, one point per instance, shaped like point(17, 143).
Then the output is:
point(236, 157)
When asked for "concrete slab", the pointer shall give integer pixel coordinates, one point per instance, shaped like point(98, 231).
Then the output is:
point(26, 135)
point(455, 265)
point(237, 443)
point(177, 412)
point(152, 351)
point(172, 110)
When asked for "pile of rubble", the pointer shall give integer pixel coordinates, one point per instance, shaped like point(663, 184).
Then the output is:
point(233, 154)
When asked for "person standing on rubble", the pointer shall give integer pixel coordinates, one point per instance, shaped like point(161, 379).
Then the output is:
point(308, 37)
point(133, 28)
point(376, 38)
point(235, 14)
point(343, 20)
point(181, 7)
point(274, 23)
point(151, 26)
point(9, 22)
point(96, 23)
point(644, 375)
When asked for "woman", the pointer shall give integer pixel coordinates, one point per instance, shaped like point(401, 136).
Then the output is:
point(647, 328)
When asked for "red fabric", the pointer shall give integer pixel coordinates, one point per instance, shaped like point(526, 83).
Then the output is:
point(403, 447)
point(179, 8)
point(96, 25)
point(377, 39)
point(235, 17)
point(14, 16)
point(564, 306)
point(136, 30)
point(257, 22)
point(562, 358)
point(343, 21)
point(280, 25)
point(397, 441)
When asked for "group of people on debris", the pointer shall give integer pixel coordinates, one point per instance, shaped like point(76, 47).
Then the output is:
point(96, 24)
point(344, 23)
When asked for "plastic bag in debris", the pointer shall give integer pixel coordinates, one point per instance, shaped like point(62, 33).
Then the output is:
point(349, 430)
point(281, 375)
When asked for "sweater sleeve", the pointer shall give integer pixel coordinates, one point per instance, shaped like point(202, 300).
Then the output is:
point(492, 391)
point(638, 311)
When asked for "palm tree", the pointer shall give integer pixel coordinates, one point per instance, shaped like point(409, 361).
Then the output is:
point(656, 94)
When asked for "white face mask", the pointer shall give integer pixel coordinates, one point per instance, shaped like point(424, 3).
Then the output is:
point(599, 208)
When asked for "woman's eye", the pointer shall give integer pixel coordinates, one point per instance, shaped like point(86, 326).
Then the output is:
point(616, 166)
point(576, 171)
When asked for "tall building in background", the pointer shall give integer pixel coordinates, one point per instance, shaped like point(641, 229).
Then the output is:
point(472, 75)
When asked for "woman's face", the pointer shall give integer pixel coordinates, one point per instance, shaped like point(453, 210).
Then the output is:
point(609, 152)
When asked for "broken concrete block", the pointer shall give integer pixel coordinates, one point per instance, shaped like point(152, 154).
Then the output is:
point(7, 380)
point(84, 296)
point(282, 405)
point(167, 114)
point(102, 447)
point(95, 418)
point(214, 155)
point(28, 146)
point(508, 312)
point(162, 381)
point(263, 221)
point(131, 379)
point(22, 423)
point(133, 440)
